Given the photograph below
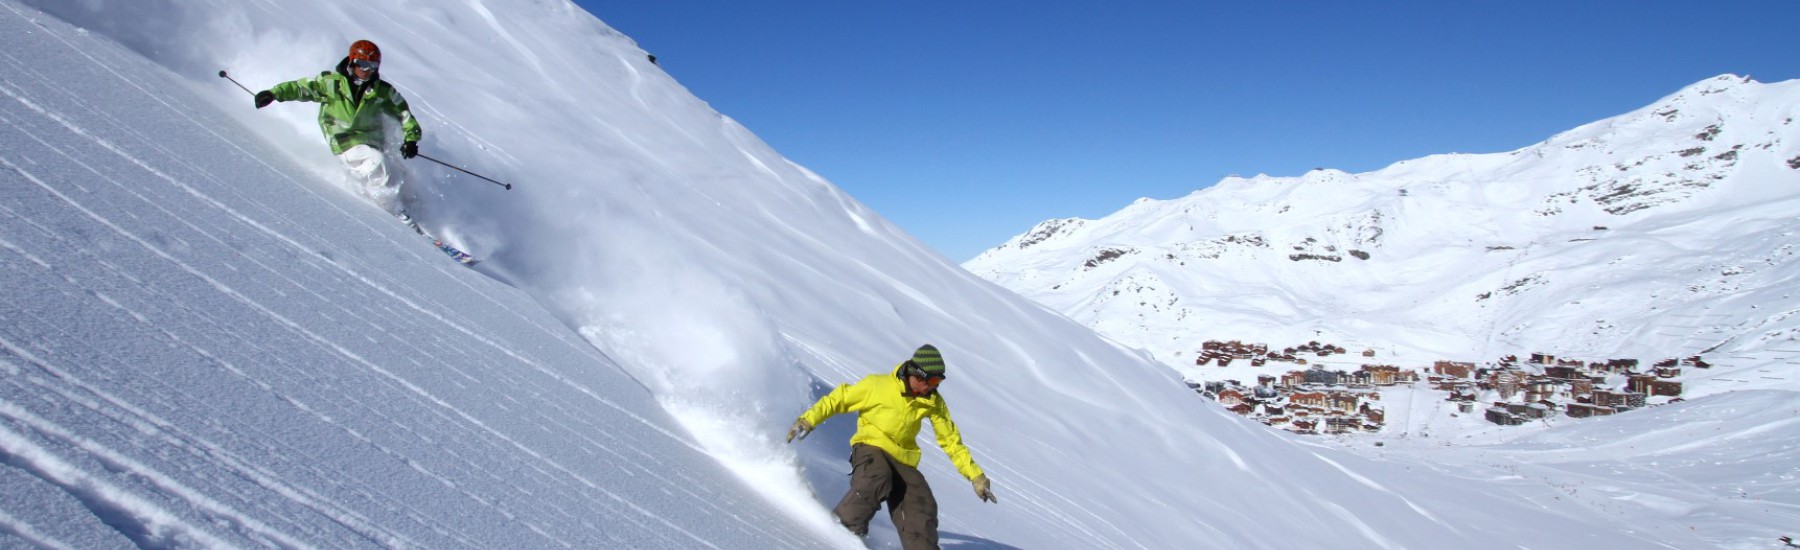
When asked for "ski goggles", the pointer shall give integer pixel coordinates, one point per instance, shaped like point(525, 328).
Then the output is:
point(930, 381)
point(365, 64)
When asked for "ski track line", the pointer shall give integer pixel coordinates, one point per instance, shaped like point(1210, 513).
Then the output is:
point(178, 159)
point(494, 23)
point(637, 84)
point(141, 521)
point(277, 273)
point(20, 251)
point(352, 356)
point(1349, 518)
point(18, 528)
point(223, 329)
point(270, 269)
point(1054, 516)
point(398, 457)
point(148, 423)
point(1366, 482)
point(145, 422)
point(1528, 476)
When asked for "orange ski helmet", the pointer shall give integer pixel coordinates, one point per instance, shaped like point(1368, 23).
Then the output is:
point(364, 50)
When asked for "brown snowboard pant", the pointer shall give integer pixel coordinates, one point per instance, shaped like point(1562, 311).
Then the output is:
point(876, 477)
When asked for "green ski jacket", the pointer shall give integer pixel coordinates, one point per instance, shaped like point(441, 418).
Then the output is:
point(350, 115)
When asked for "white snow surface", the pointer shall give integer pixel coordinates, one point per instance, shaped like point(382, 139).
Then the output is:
point(1664, 232)
point(206, 340)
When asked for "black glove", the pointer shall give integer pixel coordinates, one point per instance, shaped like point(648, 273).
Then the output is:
point(264, 98)
point(409, 149)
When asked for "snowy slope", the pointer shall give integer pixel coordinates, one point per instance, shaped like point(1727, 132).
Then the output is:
point(201, 345)
point(1664, 232)
point(207, 341)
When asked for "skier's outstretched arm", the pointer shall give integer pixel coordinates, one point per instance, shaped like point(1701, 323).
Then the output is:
point(304, 89)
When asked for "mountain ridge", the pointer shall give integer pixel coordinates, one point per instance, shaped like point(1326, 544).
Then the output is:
point(1460, 246)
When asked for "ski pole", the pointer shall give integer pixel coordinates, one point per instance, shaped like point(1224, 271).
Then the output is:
point(508, 186)
point(234, 81)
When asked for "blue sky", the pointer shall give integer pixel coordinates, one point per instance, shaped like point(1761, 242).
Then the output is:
point(968, 122)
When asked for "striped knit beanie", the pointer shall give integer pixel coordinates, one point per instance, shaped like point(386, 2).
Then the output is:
point(928, 360)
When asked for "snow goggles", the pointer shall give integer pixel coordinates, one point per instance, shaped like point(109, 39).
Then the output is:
point(930, 381)
point(365, 64)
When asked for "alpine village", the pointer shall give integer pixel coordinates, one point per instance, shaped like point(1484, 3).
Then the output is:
point(1508, 392)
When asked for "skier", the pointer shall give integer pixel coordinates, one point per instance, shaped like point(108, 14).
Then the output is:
point(353, 99)
point(884, 453)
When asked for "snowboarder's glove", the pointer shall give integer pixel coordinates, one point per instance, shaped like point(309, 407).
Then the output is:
point(801, 428)
point(409, 149)
point(264, 98)
point(984, 489)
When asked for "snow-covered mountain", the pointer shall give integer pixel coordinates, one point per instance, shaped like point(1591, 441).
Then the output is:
point(207, 341)
point(1664, 232)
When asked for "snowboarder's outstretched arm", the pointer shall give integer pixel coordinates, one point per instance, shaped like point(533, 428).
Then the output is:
point(950, 439)
point(841, 400)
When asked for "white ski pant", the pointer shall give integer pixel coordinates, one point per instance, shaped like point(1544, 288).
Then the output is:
point(369, 166)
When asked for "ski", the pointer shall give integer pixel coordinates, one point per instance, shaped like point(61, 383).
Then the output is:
point(454, 253)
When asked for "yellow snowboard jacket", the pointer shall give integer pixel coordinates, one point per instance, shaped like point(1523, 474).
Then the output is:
point(889, 419)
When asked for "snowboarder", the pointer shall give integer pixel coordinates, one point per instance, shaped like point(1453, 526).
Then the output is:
point(884, 453)
point(353, 99)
